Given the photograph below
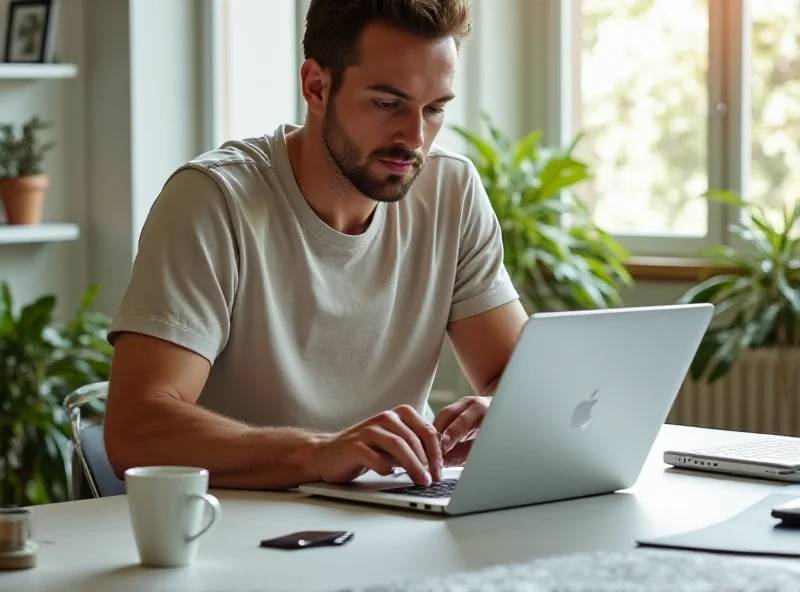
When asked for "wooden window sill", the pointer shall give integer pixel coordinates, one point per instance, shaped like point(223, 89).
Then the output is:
point(673, 269)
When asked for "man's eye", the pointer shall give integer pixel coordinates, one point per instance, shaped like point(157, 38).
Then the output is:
point(386, 105)
point(436, 110)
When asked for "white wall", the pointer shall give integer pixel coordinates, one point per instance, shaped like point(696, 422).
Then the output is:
point(60, 268)
point(166, 99)
point(131, 116)
point(144, 95)
point(107, 78)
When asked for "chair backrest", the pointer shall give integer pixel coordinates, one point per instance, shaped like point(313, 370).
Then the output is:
point(92, 475)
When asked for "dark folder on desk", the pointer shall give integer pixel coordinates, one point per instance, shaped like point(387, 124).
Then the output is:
point(752, 532)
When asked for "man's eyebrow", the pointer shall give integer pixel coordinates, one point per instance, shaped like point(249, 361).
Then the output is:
point(389, 89)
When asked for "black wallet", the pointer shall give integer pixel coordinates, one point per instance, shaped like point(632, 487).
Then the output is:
point(308, 539)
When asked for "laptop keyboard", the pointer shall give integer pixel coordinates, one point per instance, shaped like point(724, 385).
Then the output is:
point(764, 450)
point(439, 489)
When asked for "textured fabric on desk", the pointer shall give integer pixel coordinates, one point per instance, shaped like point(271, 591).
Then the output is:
point(634, 571)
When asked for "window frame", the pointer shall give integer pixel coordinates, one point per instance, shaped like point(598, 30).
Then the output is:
point(212, 44)
point(215, 17)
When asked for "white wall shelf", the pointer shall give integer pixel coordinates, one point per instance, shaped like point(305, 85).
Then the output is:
point(12, 234)
point(37, 71)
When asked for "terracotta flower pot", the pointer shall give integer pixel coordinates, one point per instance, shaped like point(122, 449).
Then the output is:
point(23, 198)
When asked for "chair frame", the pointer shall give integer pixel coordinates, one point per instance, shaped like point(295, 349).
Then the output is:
point(72, 403)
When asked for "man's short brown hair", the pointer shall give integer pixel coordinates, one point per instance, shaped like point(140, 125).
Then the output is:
point(334, 27)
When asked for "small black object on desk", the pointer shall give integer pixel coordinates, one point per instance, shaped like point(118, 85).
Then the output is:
point(308, 539)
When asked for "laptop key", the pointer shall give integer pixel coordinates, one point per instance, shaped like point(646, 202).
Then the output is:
point(442, 488)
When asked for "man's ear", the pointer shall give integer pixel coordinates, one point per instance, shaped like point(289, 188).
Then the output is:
point(315, 84)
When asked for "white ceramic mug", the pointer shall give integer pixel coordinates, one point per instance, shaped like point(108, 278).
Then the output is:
point(166, 507)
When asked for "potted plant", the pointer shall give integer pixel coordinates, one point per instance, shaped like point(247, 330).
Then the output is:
point(41, 361)
point(22, 182)
point(758, 302)
point(558, 258)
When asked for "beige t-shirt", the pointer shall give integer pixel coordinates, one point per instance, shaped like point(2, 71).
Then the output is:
point(303, 325)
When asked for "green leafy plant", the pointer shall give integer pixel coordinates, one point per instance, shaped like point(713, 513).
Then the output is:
point(41, 361)
point(22, 156)
point(558, 258)
point(758, 302)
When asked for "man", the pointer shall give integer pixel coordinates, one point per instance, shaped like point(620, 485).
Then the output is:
point(291, 293)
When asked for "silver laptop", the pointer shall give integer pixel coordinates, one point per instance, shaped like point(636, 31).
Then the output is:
point(762, 456)
point(575, 414)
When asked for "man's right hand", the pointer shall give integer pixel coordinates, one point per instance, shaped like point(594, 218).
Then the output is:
point(396, 438)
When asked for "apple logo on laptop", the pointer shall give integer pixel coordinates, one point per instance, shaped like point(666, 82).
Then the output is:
point(583, 412)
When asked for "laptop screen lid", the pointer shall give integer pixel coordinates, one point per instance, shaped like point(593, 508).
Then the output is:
point(580, 404)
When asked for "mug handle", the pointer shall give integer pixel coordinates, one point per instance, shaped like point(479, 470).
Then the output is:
point(216, 511)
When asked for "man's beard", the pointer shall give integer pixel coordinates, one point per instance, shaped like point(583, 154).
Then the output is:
point(346, 157)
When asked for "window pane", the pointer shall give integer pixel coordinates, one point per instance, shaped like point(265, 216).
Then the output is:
point(775, 90)
point(642, 105)
point(258, 88)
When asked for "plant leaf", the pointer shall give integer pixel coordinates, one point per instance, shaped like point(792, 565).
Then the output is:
point(707, 290)
point(724, 196)
point(575, 141)
point(89, 297)
point(764, 326)
point(34, 318)
point(727, 256)
point(792, 295)
point(772, 237)
point(725, 357)
point(40, 361)
point(527, 148)
point(560, 173)
point(556, 256)
point(500, 139)
point(7, 309)
point(483, 148)
point(755, 237)
point(705, 353)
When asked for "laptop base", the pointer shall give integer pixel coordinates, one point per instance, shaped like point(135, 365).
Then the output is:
point(739, 468)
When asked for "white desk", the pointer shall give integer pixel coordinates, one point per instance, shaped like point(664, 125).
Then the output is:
point(88, 545)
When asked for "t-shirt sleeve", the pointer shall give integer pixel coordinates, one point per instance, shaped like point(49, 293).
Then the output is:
point(185, 273)
point(482, 281)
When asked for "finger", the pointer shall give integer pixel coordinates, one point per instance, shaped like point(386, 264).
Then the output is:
point(371, 459)
point(469, 420)
point(448, 414)
point(391, 420)
point(458, 454)
point(427, 436)
point(380, 439)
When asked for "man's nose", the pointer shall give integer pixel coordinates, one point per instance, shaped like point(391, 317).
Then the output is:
point(413, 132)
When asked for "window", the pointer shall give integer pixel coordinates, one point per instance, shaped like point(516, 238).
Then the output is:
point(774, 179)
point(672, 98)
point(642, 106)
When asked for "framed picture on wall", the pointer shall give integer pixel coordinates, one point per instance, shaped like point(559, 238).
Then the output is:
point(30, 31)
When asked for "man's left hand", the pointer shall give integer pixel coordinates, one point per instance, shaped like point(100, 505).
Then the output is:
point(458, 425)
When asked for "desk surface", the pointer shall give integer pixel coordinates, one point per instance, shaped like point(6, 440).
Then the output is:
point(88, 545)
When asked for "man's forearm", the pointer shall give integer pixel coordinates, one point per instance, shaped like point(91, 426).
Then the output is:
point(168, 431)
